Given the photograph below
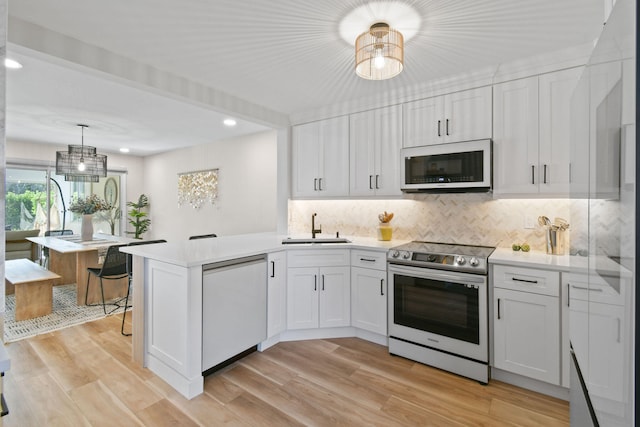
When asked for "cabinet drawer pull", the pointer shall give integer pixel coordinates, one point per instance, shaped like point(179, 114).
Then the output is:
point(568, 295)
point(319, 184)
point(382, 287)
point(273, 269)
point(544, 174)
point(439, 134)
point(315, 282)
point(367, 259)
point(447, 126)
point(315, 184)
point(584, 288)
point(515, 279)
point(377, 178)
point(323, 282)
point(498, 308)
point(370, 184)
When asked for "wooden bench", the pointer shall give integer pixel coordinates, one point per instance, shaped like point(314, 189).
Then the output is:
point(33, 286)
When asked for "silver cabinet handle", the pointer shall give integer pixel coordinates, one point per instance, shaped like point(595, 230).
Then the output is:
point(382, 287)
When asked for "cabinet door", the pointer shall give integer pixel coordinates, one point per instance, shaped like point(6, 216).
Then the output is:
point(527, 334)
point(555, 91)
point(387, 151)
point(369, 299)
point(515, 137)
point(362, 133)
point(305, 153)
point(302, 298)
point(423, 122)
point(276, 293)
point(333, 177)
point(335, 297)
point(467, 115)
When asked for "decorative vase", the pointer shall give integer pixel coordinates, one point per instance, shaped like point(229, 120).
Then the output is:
point(86, 231)
point(385, 231)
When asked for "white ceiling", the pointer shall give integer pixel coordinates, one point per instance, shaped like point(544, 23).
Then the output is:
point(259, 58)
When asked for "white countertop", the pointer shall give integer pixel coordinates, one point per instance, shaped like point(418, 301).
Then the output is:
point(190, 253)
point(575, 264)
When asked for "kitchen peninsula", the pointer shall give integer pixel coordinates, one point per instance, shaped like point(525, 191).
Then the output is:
point(168, 296)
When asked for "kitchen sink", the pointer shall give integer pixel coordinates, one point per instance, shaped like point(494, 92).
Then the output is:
point(290, 241)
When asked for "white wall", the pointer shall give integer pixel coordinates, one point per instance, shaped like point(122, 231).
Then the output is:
point(247, 187)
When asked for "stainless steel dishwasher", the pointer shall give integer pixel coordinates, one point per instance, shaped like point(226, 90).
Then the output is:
point(234, 308)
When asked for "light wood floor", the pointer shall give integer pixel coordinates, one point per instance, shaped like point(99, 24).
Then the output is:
point(83, 376)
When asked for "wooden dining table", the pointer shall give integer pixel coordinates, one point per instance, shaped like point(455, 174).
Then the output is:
point(69, 257)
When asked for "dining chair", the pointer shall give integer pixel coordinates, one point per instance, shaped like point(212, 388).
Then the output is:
point(203, 236)
point(45, 250)
point(130, 274)
point(114, 267)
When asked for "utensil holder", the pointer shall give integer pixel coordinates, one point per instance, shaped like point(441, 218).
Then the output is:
point(555, 241)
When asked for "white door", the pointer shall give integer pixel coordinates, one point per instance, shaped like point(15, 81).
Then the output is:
point(335, 297)
point(302, 298)
point(362, 134)
point(333, 178)
point(467, 115)
point(387, 152)
point(527, 334)
point(369, 299)
point(515, 137)
point(423, 122)
point(305, 152)
point(276, 293)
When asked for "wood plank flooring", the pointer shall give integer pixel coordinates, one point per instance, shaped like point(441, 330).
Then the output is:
point(83, 376)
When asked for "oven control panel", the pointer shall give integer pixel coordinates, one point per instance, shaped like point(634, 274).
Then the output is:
point(440, 261)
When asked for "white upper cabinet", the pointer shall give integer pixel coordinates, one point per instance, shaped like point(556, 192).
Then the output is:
point(375, 142)
point(459, 116)
point(531, 134)
point(321, 159)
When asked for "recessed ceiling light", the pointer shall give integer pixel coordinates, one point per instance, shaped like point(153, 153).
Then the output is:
point(229, 122)
point(124, 150)
point(11, 63)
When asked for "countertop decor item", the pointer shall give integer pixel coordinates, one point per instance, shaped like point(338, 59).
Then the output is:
point(385, 231)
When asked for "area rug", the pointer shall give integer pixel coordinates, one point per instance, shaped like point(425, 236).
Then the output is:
point(65, 313)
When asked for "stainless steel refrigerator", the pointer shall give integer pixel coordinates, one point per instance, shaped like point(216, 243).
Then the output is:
point(602, 281)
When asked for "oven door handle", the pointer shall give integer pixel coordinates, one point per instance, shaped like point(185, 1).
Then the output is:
point(433, 274)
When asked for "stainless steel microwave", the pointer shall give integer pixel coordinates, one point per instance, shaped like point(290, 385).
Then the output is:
point(447, 168)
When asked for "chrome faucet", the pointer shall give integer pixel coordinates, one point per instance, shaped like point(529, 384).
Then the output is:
point(313, 226)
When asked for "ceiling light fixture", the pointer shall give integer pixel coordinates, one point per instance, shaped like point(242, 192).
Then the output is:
point(379, 52)
point(229, 122)
point(124, 150)
point(81, 163)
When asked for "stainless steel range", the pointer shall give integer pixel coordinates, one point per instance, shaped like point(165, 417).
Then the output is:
point(438, 306)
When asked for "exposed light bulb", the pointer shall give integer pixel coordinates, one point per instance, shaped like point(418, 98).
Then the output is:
point(81, 165)
point(379, 61)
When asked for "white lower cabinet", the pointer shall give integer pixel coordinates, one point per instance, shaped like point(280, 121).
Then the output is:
point(276, 293)
point(318, 296)
point(369, 291)
point(526, 323)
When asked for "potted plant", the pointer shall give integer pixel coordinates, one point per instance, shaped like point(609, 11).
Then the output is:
point(137, 217)
point(87, 207)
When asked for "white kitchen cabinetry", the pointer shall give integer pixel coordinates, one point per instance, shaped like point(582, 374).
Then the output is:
point(369, 291)
point(318, 289)
point(320, 162)
point(375, 139)
point(594, 301)
point(276, 293)
point(531, 134)
point(459, 116)
point(527, 322)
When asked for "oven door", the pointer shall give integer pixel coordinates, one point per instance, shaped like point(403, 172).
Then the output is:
point(443, 310)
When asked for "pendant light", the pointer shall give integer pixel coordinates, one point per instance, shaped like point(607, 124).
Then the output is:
point(379, 52)
point(81, 163)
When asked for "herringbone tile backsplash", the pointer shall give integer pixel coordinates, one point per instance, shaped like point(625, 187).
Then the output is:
point(459, 218)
